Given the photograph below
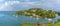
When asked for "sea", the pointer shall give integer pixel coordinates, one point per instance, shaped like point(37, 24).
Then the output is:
point(8, 19)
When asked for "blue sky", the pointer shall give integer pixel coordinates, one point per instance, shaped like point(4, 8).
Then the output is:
point(15, 5)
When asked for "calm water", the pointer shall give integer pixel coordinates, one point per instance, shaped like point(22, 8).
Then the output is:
point(7, 19)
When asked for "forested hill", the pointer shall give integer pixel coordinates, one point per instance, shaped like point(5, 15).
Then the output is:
point(38, 12)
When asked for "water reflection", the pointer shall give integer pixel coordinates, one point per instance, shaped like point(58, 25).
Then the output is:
point(28, 19)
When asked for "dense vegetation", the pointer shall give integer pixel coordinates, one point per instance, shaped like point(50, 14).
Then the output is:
point(58, 13)
point(40, 13)
point(59, 20)
point(37, 12)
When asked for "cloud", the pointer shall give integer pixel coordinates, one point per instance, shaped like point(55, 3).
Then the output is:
point(11, 2)
point(1, 0)
point(57, 1)
point(27, 0)
point(27, 4)
point(20, 4)
point(6, 5)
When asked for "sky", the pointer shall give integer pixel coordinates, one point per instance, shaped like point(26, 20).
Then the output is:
point(16, 5)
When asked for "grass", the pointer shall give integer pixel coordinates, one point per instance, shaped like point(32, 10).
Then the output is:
point(57, 24)
point(29, 25)
point(51, 24)
point(47, 24)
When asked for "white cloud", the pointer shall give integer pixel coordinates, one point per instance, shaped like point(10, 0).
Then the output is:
point(57, 1)
point(23, 4)
point(14, 2)
point(27, 0)
point(6, 4)
point(4, 7)
point(26, 4)
point(11, 2)
point(48, 4)
point(43, 3)
point(1, 0)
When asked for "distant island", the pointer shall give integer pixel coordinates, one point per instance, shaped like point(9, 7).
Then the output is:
point(58, 13)
point(38, 12)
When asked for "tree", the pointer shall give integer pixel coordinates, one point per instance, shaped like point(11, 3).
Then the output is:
point(38, 13)
point(59, 20)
